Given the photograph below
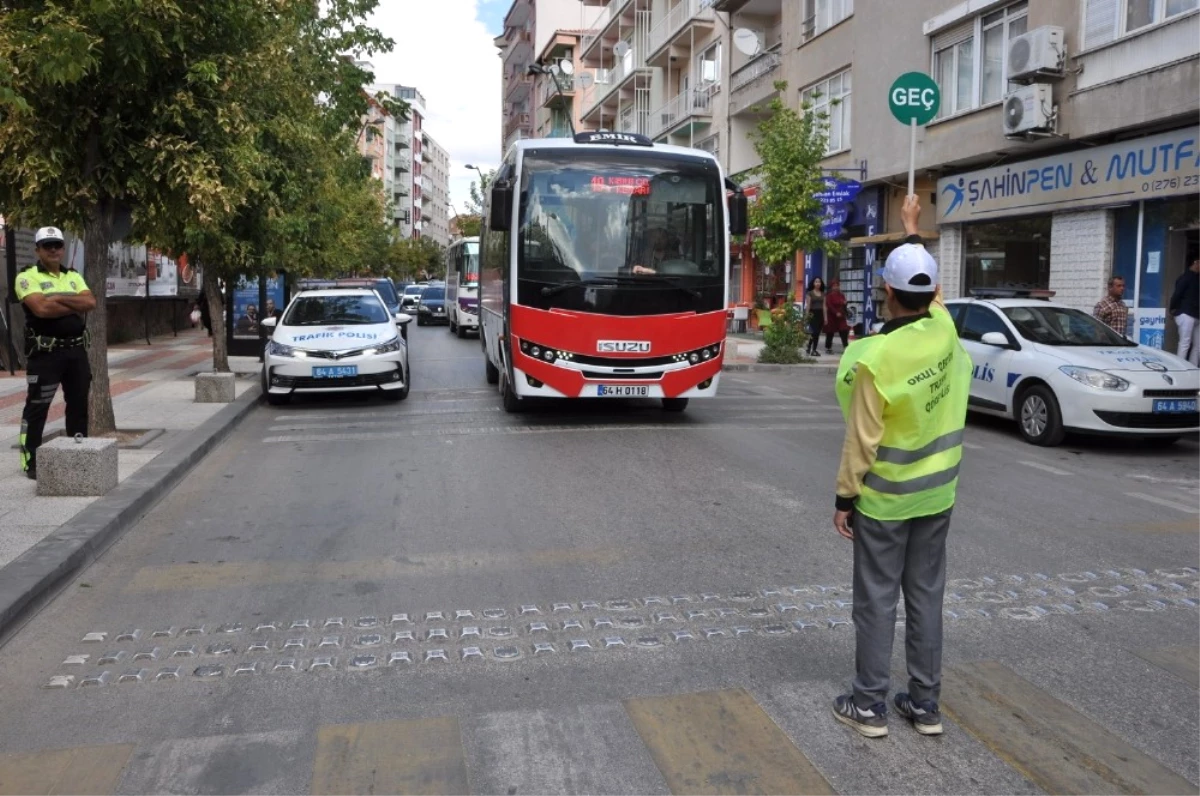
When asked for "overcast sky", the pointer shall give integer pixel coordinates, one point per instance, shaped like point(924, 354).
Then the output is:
point(444, 48)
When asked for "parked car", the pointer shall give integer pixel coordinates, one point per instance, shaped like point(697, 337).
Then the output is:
point(334, 340)
point(1055, 369)
point(411, 297)
point(432, 307)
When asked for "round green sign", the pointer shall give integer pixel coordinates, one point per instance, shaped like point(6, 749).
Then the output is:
point(914, 95)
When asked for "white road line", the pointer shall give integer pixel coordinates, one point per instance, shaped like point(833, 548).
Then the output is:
point(520, 430)
point(1164, 502)
point(972, 446)
point(1047, 468)
point(806, 399)
point(772, 390)
point(1156, 479)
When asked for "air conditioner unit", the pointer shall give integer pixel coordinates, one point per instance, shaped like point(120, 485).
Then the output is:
point(1038, 53)
point(1029, 109)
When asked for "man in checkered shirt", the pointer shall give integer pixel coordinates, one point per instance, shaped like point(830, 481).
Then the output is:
point(1111, 310)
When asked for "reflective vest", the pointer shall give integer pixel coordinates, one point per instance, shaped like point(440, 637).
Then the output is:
point(924, 376)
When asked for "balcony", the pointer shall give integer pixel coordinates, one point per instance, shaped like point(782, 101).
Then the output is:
point(616, 13)
point(688, 106)
point(754, 83)
point(678, 21)
point(550, 96)
point(617, 78)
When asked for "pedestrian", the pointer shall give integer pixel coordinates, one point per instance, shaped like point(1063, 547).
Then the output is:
point(55, 299)
point(835, 316)
point(1185, 307)
point(903, 392)
point(1112, 309)
point(814, 307)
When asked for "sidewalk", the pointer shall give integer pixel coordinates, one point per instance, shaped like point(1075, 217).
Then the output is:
point(741, 351)
point(152, 389)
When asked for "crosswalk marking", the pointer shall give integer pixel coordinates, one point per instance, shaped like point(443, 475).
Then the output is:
point(1183, 662)
point(721, 742)
point(1054, 746)
point(82, 770)
point(1185, 507)
point(414, 756)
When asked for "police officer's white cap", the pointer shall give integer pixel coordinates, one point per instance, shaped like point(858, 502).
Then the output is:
point(47, 234)
point(910, 267)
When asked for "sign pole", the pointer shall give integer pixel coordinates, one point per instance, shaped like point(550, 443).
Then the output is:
point(912, 154)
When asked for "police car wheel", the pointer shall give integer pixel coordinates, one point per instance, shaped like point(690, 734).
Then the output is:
point(1039, 418)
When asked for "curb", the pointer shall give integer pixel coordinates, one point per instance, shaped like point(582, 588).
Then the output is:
point(33, 575)
point(823, 370)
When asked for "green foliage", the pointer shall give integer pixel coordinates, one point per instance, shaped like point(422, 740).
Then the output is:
point(416, 258)
point(785, 337)
point(470, 226)
point(791, 146)
point(478, 191)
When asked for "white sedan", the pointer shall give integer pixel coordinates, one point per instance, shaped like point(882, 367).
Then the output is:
point(337, 340)
point(1055, 369)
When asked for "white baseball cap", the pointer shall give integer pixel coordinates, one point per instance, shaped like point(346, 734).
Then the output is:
point(47, 233)
point(906, 266)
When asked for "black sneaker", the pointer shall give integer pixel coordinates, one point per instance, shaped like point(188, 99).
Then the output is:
point(924, 716)
point(871, 722)
point(31, 474)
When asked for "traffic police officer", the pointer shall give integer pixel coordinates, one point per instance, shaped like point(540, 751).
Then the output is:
point(904, 394)
point(55, 299)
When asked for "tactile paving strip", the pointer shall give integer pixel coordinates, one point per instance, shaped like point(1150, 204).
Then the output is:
point(404, 640)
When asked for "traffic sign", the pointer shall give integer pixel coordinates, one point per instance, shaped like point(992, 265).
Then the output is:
point(914, 97)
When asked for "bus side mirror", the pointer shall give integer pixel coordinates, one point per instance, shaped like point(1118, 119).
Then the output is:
point(500, 209)
point(739, 209)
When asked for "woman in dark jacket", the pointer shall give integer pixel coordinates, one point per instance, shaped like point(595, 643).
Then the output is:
point(814, 303)
point(835, 316)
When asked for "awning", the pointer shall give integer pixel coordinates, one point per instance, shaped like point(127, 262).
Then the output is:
point(891, 237)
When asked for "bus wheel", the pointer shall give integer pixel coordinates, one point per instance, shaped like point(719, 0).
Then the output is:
point(493, 372)
point(674, 404)
point(452, 326)
point(460, 331)
point(512, 404)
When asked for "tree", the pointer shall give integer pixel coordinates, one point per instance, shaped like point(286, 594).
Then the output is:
point(410, 259)
point(478, 190)
point(469, 226)
point(790, 145)
point(158, 109)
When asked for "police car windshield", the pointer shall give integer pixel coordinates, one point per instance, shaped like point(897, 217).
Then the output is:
point(335, 311)
point(1063, 327)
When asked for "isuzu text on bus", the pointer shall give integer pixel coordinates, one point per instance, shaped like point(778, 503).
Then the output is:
point(605, 266)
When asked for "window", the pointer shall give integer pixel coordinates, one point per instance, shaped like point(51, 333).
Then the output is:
point(832, 98)
point(1107, 20)
point(821, 15)
point(708, 66)
point(979, 321)
point(970, 61)
point(1008, 253)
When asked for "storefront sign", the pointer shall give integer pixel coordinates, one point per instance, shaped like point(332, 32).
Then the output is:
point(835, 201)
point(1154, 167)
point(1152, 326)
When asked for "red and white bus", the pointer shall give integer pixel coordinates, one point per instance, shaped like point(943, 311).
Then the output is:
point(605, 270)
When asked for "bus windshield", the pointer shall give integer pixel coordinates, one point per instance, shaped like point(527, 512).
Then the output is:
point(470, 275)
point(620, 233)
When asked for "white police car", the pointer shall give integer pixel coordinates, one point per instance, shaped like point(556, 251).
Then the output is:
point(337, 340)
point(1056, 369)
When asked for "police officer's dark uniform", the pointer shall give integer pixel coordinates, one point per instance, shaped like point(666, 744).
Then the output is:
point(56, 351)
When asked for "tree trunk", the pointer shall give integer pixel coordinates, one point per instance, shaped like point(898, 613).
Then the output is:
point(97, 238)
point(216, 312)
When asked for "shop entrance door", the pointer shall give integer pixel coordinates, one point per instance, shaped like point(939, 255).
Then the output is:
point(1183, 246)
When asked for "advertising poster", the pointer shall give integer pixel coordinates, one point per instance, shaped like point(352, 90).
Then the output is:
point(247, 315)
point(1152, 326)
point(130, 266)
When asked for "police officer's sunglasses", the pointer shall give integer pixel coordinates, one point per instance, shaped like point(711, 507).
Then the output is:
point(51, 244)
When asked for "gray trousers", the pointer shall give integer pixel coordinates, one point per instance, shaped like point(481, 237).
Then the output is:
point(891, 555)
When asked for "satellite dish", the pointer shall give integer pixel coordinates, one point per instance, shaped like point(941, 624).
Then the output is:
point(746, 41)
point(566, 67)
point(585, 80)
point(620, 49)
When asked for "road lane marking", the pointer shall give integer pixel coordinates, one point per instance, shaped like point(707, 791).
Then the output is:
point(177, 577)
point(1190, 509)
point(416, 756)
point(1057, 748)
point(1183, 662)
point(1157, 479)
point(82, 770)
point(481, 431)
point(1046, 468)
point(721, 742)
point(972, 446)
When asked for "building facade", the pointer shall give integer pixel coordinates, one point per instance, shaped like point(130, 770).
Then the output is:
point(531, 27)
point(415, 169)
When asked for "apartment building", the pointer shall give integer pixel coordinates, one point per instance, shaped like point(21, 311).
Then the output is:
point(416, 170)
point(530, 27)
point(558, 95)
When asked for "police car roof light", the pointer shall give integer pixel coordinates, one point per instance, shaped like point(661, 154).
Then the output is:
point(603, 137)
point(1011, 292)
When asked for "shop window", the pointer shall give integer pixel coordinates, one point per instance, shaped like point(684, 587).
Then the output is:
point(1008, 253)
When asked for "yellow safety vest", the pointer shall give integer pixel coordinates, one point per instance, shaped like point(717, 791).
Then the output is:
point(924, 376)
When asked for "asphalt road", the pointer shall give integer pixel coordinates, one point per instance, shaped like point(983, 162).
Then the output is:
point(434, 596)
